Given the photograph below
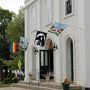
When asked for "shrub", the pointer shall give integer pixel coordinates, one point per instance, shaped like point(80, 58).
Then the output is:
point(15, 79)
point(12, 75)
point(8, 80)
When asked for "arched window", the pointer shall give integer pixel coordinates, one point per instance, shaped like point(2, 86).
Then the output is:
point(69, 59)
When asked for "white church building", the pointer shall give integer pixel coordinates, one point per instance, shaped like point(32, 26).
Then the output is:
point(65, 54)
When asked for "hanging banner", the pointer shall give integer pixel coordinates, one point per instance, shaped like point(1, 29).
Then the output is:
point(57, 28)
point(40, 38)
point(24, 43)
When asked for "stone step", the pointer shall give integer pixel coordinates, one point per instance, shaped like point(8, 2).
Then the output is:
point(33, 87)
point(44, 86)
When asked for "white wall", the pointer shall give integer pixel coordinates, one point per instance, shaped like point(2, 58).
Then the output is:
point(87, 41)
point(75, 30)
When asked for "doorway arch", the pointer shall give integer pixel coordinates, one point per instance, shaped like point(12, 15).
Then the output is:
point(49, 44)
point(69, 59)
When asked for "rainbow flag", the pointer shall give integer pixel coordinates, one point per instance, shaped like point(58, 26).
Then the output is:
point(13, 47)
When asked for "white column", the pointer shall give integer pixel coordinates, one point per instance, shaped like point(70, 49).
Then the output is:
point(82, 57)
point(57, 53)
point(26, 29)
point(38, 15)
point(38, 28)
point(56, 10)
point(28, 52)
point(28, 62)
point(57, 61)
point(37, 67)
point(26, 67)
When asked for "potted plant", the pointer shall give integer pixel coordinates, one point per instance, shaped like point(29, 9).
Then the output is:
point(66, 84)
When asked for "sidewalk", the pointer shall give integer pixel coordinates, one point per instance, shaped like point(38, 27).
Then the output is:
point(13, 88)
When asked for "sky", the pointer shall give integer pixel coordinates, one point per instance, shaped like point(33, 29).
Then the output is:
point(12, 5)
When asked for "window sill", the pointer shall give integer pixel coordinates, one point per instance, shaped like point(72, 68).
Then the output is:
point(69, 15)
point(48, 24)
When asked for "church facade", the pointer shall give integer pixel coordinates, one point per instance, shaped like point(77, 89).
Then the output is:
point(64, 53)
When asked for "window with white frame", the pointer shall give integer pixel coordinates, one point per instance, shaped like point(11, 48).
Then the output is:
point(34, 18)
point(68, 7)
point(48, 11)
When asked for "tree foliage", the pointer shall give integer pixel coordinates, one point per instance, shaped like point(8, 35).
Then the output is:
point(15, 28)
point(13, 64)
point(4, 49)
point(5, 18)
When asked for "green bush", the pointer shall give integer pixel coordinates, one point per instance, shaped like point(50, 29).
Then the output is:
point(8, 80)
point(15, 79)
point(12, 75)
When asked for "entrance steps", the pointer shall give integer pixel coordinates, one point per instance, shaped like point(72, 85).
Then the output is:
point(34, 85)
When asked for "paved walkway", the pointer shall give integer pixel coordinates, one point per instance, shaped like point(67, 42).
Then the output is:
point(13, 88)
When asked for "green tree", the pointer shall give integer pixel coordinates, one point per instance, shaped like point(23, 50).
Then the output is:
point(13, 64)
point(4, 50)
point(15, 28)
point(5, 18)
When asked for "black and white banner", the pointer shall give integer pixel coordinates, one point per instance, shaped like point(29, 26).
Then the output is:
point(40, 38)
